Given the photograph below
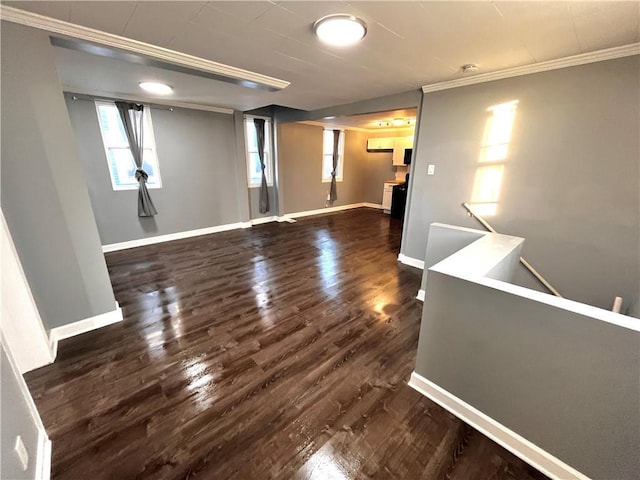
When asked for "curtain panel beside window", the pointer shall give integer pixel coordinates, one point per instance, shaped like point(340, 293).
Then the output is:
point(264, 192)
point(333, 191)
point(132, 116)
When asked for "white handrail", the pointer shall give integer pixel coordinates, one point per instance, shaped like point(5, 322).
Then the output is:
point(526, 264)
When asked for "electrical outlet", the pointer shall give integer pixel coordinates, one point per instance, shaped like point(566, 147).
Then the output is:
point(21, 452)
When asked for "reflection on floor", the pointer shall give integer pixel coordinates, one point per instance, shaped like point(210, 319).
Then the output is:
point(281, 351)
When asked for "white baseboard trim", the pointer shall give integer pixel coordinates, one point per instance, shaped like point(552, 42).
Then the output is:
point(274, 218)
point(260, 221)
point(42, 469)
point(373, 205)
point(43, 457)
point(412, 262)
point(21, 323)
point(420, 295)
point(320, 211)
point(83, 326)
point(289, 218)
point(113, 247)
point(519, 446)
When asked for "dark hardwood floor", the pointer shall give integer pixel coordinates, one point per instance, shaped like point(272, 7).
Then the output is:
point(280, 351)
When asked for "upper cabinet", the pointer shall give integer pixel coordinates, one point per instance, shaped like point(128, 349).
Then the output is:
point(377, 144)
point(395, 144)
point(399, 146)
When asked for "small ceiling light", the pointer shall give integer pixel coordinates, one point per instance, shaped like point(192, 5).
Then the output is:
point(155, 87)
point(469, 68)
point(398, 122)
point(340, 30)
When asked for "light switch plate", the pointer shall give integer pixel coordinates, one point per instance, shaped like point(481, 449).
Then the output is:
point(431, 169)
point(21, 452)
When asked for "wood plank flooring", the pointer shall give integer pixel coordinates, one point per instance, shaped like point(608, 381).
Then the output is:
point(280, 351)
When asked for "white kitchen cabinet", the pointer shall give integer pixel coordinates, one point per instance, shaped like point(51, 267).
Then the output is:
point(382, 143)
point(399, 146)
point(386, 197)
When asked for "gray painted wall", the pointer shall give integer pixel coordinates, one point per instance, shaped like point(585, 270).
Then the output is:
point(44, 193)
point(571, 181)
point(254, 203)
point(16, 419)
point(444, 241)
point(568, 383)
point(379, 170)
point(300, 168)
point(200, 175)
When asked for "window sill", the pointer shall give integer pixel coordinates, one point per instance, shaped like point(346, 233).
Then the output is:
point(258, 185)
point(338, 180)
point(129, 189)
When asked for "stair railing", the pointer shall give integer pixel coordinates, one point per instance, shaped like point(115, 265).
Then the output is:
point(526, 264)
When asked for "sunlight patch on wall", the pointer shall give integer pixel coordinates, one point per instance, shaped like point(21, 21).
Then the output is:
point(494, 151)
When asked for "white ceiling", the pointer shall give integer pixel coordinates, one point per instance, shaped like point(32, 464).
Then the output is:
point(408, 44)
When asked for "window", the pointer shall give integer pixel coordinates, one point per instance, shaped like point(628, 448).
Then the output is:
point(254, 170)
point(327, 155)
point(122, 168)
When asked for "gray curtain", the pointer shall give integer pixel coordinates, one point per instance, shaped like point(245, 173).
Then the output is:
point(333, 191)
point(264, 192)
point(132, 117)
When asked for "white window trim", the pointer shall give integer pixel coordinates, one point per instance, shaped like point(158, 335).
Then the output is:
point(339, 173)
point(148, 135)
point(270, 164)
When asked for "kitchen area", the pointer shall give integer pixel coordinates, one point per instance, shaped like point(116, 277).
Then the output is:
point(394, 193)
point(390, 151)
point(378, 151)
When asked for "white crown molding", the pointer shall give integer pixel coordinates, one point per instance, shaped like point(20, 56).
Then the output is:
point(572, 61)
point(100, 95)
point(53, 25)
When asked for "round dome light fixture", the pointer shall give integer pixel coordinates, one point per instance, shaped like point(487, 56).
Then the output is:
point(340, 29)
point(156, 87)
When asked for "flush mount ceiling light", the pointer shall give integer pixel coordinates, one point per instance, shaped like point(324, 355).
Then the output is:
point(155, 87)
point(340, 30)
